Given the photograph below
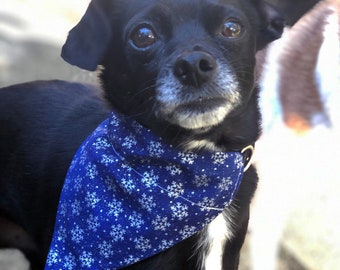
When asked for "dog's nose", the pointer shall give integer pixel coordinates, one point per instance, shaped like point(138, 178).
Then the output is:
point(195, 68)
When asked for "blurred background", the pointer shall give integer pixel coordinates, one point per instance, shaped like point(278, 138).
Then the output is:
point(31, 35)
point(296, 210)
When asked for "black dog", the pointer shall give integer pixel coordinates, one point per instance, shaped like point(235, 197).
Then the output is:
point(184, 69)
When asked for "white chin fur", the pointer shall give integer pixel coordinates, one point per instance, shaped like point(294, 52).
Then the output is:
point(201, 120)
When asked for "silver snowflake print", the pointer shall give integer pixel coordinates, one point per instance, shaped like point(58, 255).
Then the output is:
point(101, 143)
point(142, 243)
point(108, 160)
point(225, 183)
point(126, 166)
point(128, 185)
point(165, 244)
point(150, 179)
point(52, 257)
point(77, 183)
point(179, 211)
point(105, 249)
point(175, 189)
point(155, 149)
point(76, 208)
point(239, 162)
point(129, 142)
point(136, 220)
point(187, 157)
point(161, 223)
point(147, 202)
point(137, 127)
point(202, 180)
point(114, 121)
point(174, 169)
point(219, 158)
point(91, 171)
point(69, 262)
point(187, 231)
point(83, 158)
point(91, 199)
point(117, 232)
point(62, 234)
point(115, 208)
point(77, 234)
point(86, 259)
point(207, 203)
point(130, 259)
point(63, 209)
point(93, 223)
point(110, 184)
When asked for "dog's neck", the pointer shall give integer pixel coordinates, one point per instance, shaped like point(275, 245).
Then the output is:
point(232, 134)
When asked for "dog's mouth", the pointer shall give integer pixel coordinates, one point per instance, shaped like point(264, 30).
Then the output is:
point(202, 114)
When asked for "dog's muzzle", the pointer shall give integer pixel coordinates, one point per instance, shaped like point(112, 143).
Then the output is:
point(197, 91)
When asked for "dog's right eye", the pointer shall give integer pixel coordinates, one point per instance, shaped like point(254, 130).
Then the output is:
point(143, 37)
point(232, 29)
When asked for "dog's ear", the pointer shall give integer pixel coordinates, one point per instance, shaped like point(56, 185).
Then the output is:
point(273, 26)
point(87, 41)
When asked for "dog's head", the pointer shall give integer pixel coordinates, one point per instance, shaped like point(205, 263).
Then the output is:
point(186, 62)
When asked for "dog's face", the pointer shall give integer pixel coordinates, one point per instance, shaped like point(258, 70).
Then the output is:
point(188, 63)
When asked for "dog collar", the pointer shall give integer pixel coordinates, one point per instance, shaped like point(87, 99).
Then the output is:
point(128, 196)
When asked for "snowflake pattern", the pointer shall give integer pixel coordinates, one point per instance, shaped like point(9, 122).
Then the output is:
point(161, 223)
point(92, 199)
point(175, 189)
point(129, 142)
point(136, 220)
point(91, 171)
point(128, 184)
point(165, 244)
point(147, 202)
point(202, 180)
point(86, 259)
point(187, 158)
point(126, 190)
point(76, 207)
point(225, 184)
point(108, 160)
point(52, 258)
point(70, 262)
point(115, 208)
point(77, 234)
point(174, 169)
point(62, 234)
point(219, 157)
point(155, 149)
point(187, 231)
point(117, 233)
point(105, 249)
point(179, 211)
point(101, 143)
point(150, 178)
point(93, 223)
point(143, 244)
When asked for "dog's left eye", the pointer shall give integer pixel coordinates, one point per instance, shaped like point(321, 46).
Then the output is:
point(143, 37)
point(231, 29)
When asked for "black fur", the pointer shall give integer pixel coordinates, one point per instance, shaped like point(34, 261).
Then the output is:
point(43, 123)
point(293, 10)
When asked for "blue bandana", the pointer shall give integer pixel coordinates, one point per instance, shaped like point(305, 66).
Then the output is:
point(128, 195)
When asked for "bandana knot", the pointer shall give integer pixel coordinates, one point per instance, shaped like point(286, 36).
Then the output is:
point(128, 195)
